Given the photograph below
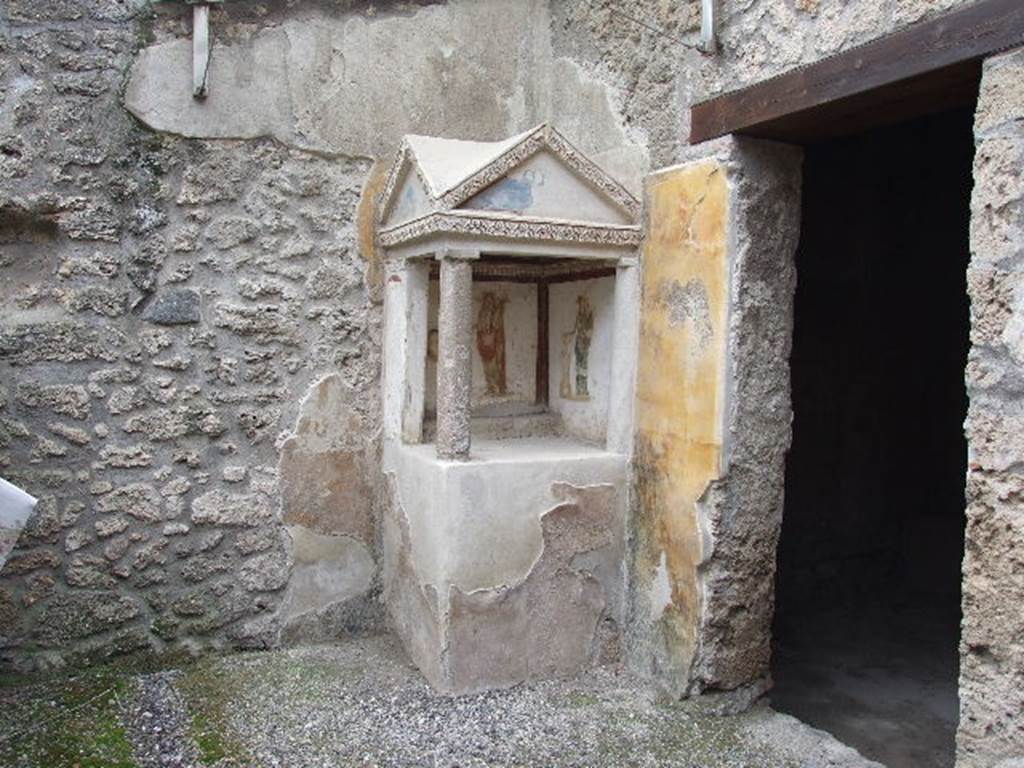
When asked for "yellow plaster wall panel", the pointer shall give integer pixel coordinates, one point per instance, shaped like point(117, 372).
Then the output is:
point(680, 394)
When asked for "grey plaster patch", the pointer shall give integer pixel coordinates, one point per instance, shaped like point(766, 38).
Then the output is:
point(547, 624)
point(463, 87)
point(327, 465)
point(327, 570)
point(273, 83)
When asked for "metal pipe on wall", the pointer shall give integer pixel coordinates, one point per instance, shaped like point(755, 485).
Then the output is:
point(708, 39)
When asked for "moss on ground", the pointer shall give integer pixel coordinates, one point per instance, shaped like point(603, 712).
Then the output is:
point(62, 721)
point(580, 700)
point(209, 696)
point(14, 679)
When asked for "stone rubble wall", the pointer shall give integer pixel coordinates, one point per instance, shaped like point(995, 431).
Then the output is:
point(190, 326)
point(168, 305)
point(991, 648)
point(186, 306)
point(645, 50)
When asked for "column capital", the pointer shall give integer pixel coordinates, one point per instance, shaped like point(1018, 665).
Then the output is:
point(456, 254)
point(394, 267)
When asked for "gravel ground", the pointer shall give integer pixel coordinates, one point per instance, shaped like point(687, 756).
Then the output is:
point(158, 724)
point(360, 703)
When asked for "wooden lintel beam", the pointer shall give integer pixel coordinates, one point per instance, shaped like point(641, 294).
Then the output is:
point(965, 35)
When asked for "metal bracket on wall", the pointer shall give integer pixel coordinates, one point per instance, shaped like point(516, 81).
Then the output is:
point(200, 46)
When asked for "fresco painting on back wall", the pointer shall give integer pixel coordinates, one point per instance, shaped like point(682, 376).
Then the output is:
point(490, 341)
point(576, 353)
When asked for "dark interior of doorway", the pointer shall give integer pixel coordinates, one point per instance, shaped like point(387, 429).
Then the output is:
point(868, 582)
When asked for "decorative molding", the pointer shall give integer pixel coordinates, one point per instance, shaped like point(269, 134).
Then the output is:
point(494, 170)
point(388, 193)
point(456, 254)
point(590, 172)
point(405, 158)
point(483, 224)
point(544, 136)
point(526, 272)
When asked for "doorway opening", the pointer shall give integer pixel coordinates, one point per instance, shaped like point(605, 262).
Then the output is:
point(866, 627)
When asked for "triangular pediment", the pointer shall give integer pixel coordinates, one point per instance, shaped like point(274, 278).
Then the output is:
point(544, 186)
point(411, 199)
point(537, 174)
point(446, 163)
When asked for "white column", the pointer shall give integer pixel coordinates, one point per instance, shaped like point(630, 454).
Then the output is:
point(624, 349)
point(405, 346)
point(417, 280)
point(393, 375)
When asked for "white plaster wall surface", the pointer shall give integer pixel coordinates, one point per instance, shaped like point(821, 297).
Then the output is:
point(394, 373)
point(500, 553)
point(354, 84)
point(422, 492)
point(476, 524)
point(621, 402)
point(587, 418)
point(495, 504)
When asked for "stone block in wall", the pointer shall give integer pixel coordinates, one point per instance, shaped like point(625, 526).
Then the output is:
point(175, 306)
point(219, 507)
point(82, 614)
point(61, 341)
